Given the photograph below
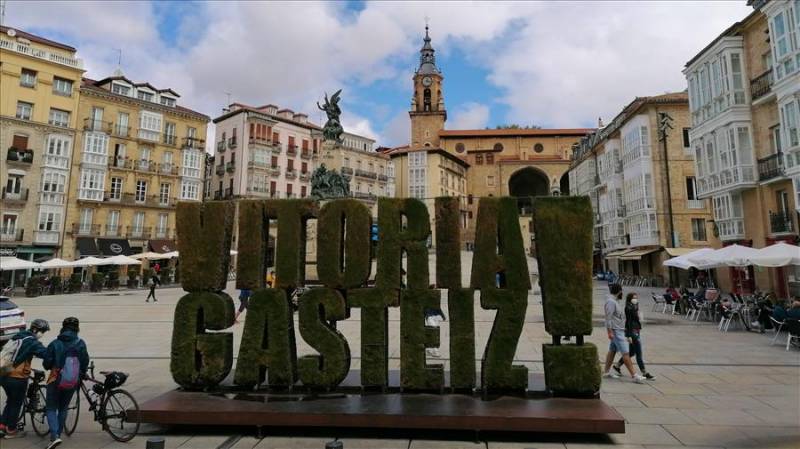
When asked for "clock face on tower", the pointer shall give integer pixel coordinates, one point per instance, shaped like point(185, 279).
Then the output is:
point(427, 81)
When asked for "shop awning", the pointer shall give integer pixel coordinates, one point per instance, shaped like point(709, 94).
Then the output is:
point(87, 246)
point(114, 247)
point(675, 252)
point(637, 254)
point(163, 246)
point(617, 253)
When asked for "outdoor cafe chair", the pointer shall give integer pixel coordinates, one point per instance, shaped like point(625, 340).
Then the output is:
point(792, 331)
point(778, 326)
point(658, 300)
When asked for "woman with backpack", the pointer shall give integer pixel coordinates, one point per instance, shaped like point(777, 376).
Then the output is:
point(15, 368)
point(67, 359)
point(153, 282)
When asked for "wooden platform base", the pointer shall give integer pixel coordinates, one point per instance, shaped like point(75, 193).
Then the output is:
point(448, 412)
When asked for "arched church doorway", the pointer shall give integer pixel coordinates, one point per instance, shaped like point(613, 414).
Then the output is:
point(526, 183)
point(564, 184)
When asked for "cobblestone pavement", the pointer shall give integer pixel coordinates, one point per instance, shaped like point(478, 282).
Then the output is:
point(731, 390)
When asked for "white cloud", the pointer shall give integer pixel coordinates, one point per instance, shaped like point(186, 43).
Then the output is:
point(556, 64)
point(470, 116)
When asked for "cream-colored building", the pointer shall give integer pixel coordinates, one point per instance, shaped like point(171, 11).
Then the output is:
point(643, 191)
point(39, 94)
point(138, 154)
point(744, 91)
point(476, 163)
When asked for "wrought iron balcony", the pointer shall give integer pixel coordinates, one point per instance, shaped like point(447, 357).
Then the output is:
point(138, 232)
point(291, 173)
point(168, 168)
point(86, 229)
point(90, 124)
point(761, 85)
point(10, 196)
point(306, 154)
point(20, 155)
point(230, 167)
point(383, 178)
point(347, 171)
point(120, 162)
point(170, 139)
point(228, 193)
point(770, 167)
point(366, 174)
point(11, 234)
point(232, 142)
point(781, 222)
point(121, 130)
point(194, 142)
point(221, 146)
point(113, 230)
point(291, 150)
point(220, 170)
point(144, 165)
point(218, 194)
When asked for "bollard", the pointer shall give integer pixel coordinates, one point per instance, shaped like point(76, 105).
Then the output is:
point(335, 444)
point(155, 443)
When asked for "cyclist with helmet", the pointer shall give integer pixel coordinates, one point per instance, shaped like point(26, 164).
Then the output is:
point(66, 354)
point(15, 382)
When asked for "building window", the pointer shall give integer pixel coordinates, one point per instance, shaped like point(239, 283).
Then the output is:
point(141, 190)
point(489, 159)
point(163, 197)
point(59, 118)
point(146, 96)
point(120, 89)
point(50, 219)
point(460, 147)
point(86, 218)
point(92, 184)
point(288, 190)
point(538, 148)
point(791, 122)
point(138, 224)
point(346, 162)
point(302, 191)
point(490, 181)
point(274, 162)
point(166, 101)
point(691, 188)
point(699, 229)
point(478, 159)
point(498, 147)
point(304, 168)
point(24, 110)
point(62, 86)
point(686, 143)
point(163, 221)
point(190, 190)
point(112, 223)
point(116, 188)
point(27, 78)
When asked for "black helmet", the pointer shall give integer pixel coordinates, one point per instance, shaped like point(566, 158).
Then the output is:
point(39, 325)
point(71, 323)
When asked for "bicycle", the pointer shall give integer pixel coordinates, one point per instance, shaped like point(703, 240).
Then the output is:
point(34, 405)
point(109, 404)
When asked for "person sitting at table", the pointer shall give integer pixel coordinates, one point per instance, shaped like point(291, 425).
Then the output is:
point(671, 295)
point(791, 312)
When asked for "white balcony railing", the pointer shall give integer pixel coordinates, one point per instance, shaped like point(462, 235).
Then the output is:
point(695, 204)
point(729, 179)
point(46, 237)
point(27, 49)
point(55, 161)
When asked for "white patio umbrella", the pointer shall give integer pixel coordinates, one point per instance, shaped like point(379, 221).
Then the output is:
point(149, 256)
point(90, 262)
point(730, 256)
point(10, 263)
point(57, 263)
point(683, 262)
point(172, 254)
point(777, 255)
point(123, 260)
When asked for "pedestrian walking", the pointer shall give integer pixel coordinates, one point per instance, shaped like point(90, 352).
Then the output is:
point(244, 301)
point(615, 326)
point(633, 331)
point(152, 282)
point(15, 369)
point(67, 359)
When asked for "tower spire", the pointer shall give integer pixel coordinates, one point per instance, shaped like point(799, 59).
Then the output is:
point(427, 59)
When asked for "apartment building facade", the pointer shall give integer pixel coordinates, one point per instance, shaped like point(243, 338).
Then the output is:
point(744, 91)
point(263, 152)
point(39, 94)
point(139, 153)
point(643, 192)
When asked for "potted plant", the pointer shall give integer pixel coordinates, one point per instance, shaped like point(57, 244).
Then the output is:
point(27, 156)
point(98, 279)
point(113, 278)
point(55, 285)
point(133, 277)
point(75, 283)
point(13, 154)
point(34, 285)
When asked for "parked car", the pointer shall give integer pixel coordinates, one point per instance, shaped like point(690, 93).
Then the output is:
point(12, 319)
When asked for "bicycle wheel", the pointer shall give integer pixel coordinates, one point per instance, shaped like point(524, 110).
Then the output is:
point(73, 412)
point(37, 412)
point(115, 411)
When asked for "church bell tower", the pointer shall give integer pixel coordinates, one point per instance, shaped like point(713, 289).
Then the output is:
point(427, 105)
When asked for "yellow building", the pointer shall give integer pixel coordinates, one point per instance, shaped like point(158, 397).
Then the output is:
point(39, 92)
point(476, 163)
point(744, 91)
point(139, 153)
point(643, 189)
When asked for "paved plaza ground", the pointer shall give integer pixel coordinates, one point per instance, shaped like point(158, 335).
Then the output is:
point(726, 390)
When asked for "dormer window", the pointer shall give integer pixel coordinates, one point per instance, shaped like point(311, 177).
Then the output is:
point(167, 101)
point(146, 96)
point(120, 89)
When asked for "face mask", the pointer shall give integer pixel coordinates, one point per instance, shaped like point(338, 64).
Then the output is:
point(635, 301)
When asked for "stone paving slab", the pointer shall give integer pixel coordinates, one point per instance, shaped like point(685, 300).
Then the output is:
point(713, 389)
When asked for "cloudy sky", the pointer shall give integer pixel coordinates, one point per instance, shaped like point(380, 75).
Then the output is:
point(553, 64)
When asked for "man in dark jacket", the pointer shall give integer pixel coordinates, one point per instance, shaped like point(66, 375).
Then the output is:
point(58, 399)
point(15, 383)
